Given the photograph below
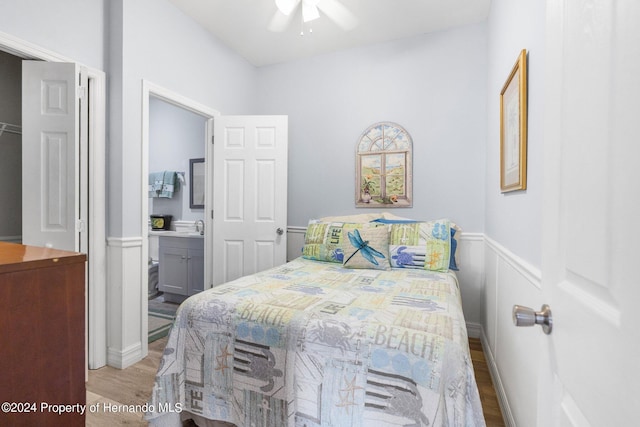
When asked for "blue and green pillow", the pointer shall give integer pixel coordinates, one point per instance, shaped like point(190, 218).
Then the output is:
point(425, 245)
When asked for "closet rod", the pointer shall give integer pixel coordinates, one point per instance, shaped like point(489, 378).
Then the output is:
point(9, 128)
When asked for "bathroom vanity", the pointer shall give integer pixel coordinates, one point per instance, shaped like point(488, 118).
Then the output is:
point(181, 267)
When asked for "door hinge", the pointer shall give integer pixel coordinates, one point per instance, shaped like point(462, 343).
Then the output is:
point(213, 139)
point(82, 91)
point(211, 213)
point(80, 225)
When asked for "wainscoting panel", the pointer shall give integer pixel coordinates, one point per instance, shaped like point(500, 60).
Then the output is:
point(471, 275)
point(295, 241)
point(513, 352)
point(125, 344)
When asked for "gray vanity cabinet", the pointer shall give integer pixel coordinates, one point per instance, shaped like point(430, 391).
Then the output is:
point(181, 269)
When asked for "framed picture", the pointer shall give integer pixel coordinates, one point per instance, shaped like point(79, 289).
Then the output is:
point(513, 128)
point(384, 172)
point(196, 178)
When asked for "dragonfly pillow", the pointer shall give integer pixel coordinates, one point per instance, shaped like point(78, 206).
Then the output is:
point(421, 245)
point(364, 246)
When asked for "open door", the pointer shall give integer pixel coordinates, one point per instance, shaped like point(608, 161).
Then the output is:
point(53, 153)
point(589, 374)
point(250, 195)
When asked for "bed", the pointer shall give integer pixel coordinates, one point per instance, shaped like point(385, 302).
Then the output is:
point(317, 343)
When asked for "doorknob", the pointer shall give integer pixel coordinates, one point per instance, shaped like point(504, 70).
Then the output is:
point(525, 316)
point(280, 231)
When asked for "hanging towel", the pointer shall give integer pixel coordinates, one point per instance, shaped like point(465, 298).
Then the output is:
point(169, 184)
point(155, 183)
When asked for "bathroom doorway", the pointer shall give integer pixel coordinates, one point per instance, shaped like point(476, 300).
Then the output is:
point(176, 135)
point(177, 138)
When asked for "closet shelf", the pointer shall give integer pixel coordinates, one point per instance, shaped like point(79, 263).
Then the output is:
point(10, 128)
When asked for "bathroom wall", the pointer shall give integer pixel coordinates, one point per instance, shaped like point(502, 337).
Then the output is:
point(10, 148)
point(175, 136)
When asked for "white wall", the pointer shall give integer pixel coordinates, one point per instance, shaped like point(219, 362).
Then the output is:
point(175, 136)
point(513, 224)
point(515, 219)
point(155, 41)
point(433, 85)
point(71, 28)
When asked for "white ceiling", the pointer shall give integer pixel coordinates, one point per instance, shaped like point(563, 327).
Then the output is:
point(242, 25)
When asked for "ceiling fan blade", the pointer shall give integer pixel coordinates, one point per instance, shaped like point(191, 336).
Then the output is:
point(339, 14)
point(279, 22)
point(287, 6)
point(309, 11)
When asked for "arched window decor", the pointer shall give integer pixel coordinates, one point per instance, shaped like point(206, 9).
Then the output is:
point(384, 172)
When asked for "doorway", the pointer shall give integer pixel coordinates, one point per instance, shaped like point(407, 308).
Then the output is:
point(159, 102)
point(10, 148)
point(177, 142)
point(94, 125)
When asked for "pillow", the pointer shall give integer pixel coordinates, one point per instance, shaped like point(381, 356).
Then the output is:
point(421, 245)
point(453, 259)
point(359, 218)
point(388, 218)
point(323, 240)
point(365, 246)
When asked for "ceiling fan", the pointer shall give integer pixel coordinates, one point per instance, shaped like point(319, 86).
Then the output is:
point(311, 9)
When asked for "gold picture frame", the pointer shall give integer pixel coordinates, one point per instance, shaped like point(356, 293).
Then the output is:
point(513, 128)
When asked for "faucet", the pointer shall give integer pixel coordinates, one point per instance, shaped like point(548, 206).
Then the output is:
point(200, 226)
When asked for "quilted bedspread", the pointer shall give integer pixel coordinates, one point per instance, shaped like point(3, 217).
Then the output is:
point(311, 343)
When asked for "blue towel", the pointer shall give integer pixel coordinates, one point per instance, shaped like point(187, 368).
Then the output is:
point(155, 183)
point(163, 184)
point(169, 184)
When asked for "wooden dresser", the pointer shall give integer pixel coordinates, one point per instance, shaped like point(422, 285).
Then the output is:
point(42, 336)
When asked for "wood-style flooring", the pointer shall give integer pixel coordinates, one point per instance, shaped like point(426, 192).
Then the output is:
point(490, 407)
point(132, 386)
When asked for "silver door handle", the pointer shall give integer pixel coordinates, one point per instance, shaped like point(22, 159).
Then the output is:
point(280, 231)
point(525, 316)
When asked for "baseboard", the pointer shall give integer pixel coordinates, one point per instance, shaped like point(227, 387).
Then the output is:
point(122, 359)
point(474, 330)
point(501, 394)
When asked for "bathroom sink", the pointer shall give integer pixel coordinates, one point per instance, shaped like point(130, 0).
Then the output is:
point(171, 233)
point(186, 234)
point(189, 233)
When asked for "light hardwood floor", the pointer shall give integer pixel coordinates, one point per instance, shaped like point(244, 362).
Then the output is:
point(112, 388)
point(132, 386)
point(490, 407)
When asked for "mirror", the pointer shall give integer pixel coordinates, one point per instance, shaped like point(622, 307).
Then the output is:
point(196, 176)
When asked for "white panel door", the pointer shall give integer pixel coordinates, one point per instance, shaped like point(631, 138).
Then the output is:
point(250, 195)
point(591, 240)
point(51, 139)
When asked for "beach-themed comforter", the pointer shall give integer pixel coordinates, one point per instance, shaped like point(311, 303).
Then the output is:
point(311, 343)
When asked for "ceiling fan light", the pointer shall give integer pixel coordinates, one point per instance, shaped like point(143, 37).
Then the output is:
point(286, 6)
point(309, 11)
